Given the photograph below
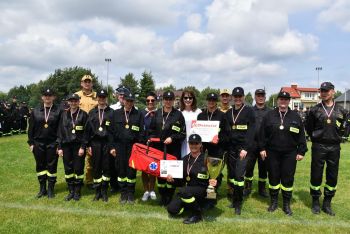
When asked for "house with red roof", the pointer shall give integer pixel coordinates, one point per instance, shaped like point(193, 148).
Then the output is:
point(301, 97)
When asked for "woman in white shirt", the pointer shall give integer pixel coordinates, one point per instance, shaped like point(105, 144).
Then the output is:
point(188, 107)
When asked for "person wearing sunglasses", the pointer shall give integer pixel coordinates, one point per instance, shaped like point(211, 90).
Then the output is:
point(148, 113)
point(168, 124)
point(188, 107)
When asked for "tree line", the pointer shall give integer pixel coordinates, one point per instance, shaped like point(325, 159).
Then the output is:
point(67, 80)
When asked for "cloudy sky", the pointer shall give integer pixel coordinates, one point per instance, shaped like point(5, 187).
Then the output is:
point(219, 43)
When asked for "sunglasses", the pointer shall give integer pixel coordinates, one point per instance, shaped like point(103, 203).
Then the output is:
point(150, 100)
point(188, 98)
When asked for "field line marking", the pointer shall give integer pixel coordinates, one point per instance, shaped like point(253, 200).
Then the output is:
point(161, 216)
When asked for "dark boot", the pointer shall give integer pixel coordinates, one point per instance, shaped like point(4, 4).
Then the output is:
point(42, 191)
point(238, 199)
point(326, 207)
point(195, 218)
point(131, 198)
point(238, 207)
point(77, 192)
point(315, 209)
point(274, 203)
point(262, 189)
point(98, 194)
point(71, 192)
point(104, 191)
point(286, 206)
point(123, 198)
point(50, 189)
point(247, 187)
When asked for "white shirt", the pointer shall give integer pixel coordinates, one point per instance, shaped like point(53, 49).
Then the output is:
point(189, 116)
point(116, 106)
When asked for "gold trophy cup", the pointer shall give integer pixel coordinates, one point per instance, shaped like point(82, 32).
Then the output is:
point(215, 166)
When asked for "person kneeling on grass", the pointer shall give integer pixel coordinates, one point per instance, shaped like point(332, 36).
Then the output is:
point(194, 183)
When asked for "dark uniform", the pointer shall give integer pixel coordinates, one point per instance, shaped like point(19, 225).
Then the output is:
point(126, 129)
point(241, 136)
point(216, 150)
point(96, 135)
point(282, 143)
point(174, 127)
point(23, 115)
point(193, 187)
point(326, 135)
point(42, 134)
point(70, 140)
point(254, 154)
point(2, 118)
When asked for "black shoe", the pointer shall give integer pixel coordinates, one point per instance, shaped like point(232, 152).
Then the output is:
point(131, 199)
point(315, 209)
point(262, 189)
point(50, 190)
point(163, 200)
point(193, 219)
point(104, 189)
point(247, 188)
point(98, 194)
point(77, 193)
point(123, 198)
point(42, 191)
point(238, 208)
point(326, 207)
point(273, 205)
point(286, 208)
point(70, 194)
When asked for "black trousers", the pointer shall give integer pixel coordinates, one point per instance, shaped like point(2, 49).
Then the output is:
point(321, 154)
point(73, 163)
point(188, 197)
point(100, 161)
point(127, 175)
point(253, 156)
point(281, 170)
point(24, 124)
point(46, 159)
point(236, 171)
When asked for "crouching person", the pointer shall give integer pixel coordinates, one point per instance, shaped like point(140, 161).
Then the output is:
point(194, 183)
point(71, 146)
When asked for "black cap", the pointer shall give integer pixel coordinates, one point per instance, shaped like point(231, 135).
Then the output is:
point(212, 96)
point(194, 138)
point(169, 94)
point(283, 95)
point(102, 93)
point(129, 96)
point(122, 90)
point(73, 96)
point(47, 92)
point(326, 86)
point(260, 91)
point(238, 91)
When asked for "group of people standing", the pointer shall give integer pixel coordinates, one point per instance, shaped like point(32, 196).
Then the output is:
point(101, 136)
point(13, 117)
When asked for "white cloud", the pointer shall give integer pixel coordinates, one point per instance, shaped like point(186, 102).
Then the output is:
point(337, 13)
point(194, 21)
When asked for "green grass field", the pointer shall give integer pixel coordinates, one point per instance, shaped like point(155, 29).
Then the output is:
point(21, 212)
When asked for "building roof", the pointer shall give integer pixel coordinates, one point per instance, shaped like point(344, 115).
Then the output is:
point(295, 91)
point(341, 98)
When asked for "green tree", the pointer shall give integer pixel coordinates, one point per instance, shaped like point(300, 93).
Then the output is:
point(249, 98)
point(146, 85)
point(22, 93)
point(3, 96)
point(130, 82)
point(168, 88)
point(337, 94)
point(272, 102)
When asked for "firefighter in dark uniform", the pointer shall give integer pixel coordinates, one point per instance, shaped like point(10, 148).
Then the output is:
point(282, 143)
point(8, 123)
point(71, 145)
point(2, 118)
point(168, 124)
point(193, 186)
point(24, 114)
point(324, 124)
point(96, 134)
point(42, 140)
point(241, 118)
point(126, 129)
point(216, 148)
point(260, 109)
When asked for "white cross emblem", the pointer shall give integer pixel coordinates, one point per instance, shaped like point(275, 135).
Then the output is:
point(237, 90)
point(284, 93)
point(48, 90)
point(102, 91)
